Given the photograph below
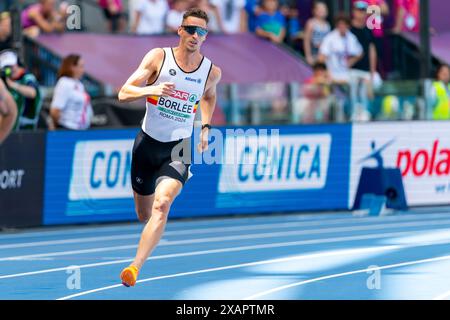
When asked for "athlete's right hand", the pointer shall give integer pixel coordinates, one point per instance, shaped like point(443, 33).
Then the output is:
point(163, 89)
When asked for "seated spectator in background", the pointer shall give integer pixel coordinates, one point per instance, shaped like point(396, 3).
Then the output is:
point(43, 17)
point(341, 50)
point(271, 24)
point(252, 9)
point(289, 10)
point(150, 17)
point(376, 25)
point(71, 105)
point(317, 91)
point(175, 15)
point(441, 94)
point(24, 88)
point(5, 31)
point(406, 16)
point(113, 12)
point(315, 31)
point(229, 16)
point(368, 63)
point(8, 112)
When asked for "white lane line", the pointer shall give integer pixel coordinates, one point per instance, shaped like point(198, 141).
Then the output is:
point(217, 230)
point(319, 218)
point(224, 250)
point(443, 296)
point(337, 275)
point(165, 242)
point(248, 264)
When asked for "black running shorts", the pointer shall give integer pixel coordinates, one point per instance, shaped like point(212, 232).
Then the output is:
point(152, 162)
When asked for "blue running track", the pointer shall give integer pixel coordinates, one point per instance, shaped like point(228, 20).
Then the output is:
point(292, 256)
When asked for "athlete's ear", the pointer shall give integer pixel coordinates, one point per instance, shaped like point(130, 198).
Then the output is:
point(179, 30)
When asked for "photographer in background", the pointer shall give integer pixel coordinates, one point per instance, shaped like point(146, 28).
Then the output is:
point(8, 112)
point(24, 88)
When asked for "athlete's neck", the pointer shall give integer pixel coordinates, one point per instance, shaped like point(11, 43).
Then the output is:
point(187, 59)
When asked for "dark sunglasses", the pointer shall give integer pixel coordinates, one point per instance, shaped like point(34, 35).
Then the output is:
point(193, 29)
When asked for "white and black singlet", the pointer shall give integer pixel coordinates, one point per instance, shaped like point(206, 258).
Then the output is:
point(168, 121)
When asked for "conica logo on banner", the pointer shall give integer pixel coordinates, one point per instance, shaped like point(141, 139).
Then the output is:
point(290, 162)
point(420, 150)
point(101, 170)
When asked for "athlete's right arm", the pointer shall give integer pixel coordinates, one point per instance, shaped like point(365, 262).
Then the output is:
point(133, 89)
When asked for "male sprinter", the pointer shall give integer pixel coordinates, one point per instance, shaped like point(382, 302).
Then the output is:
point(8, 112)
point(177, 79)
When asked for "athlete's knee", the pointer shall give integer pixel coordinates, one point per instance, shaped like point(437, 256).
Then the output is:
point(161, 206)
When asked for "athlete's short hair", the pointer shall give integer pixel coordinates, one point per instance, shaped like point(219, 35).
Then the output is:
point(196, 12)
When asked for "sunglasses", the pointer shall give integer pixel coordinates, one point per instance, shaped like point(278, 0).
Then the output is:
point(193, 29)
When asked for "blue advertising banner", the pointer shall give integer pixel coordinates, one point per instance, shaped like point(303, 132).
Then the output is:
point(306, 168)
point(245, 170)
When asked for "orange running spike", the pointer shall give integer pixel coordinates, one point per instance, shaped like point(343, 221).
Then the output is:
point(129, 276)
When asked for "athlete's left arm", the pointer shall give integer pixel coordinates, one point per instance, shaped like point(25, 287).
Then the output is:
point(208, 103)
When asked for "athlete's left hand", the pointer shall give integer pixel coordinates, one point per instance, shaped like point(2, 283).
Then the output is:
point(203, 144)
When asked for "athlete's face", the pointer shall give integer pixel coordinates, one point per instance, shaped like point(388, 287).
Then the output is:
point(192, 42)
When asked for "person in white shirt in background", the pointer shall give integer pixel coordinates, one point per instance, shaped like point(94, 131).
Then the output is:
point(71, 105)
point(340, 50)
point(229, 16)
point(175, 15)
point(150, 17)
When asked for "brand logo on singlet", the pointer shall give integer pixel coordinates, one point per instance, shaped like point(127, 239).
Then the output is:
point(193, 98)
point(172, 72)
point(193, 80)
point(180, 95)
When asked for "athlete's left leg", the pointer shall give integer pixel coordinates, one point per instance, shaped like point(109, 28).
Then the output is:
point(165, 193)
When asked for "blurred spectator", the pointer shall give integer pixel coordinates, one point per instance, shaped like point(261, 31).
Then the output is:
point(441, 93)
point(315, 31)
point(376, 23)
point(271, 23)
point(43, 17)
point(289, 10)
point(317, 93)
point(230, 15)
point(341, 50)
point(71, 105)
point(175, 15)
point(5, 31)
point(406, 16)
point(368, 63)
point(253, 9)
point(24, 88)
point(150, 17)
point(8, 112)
point(113, 12)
